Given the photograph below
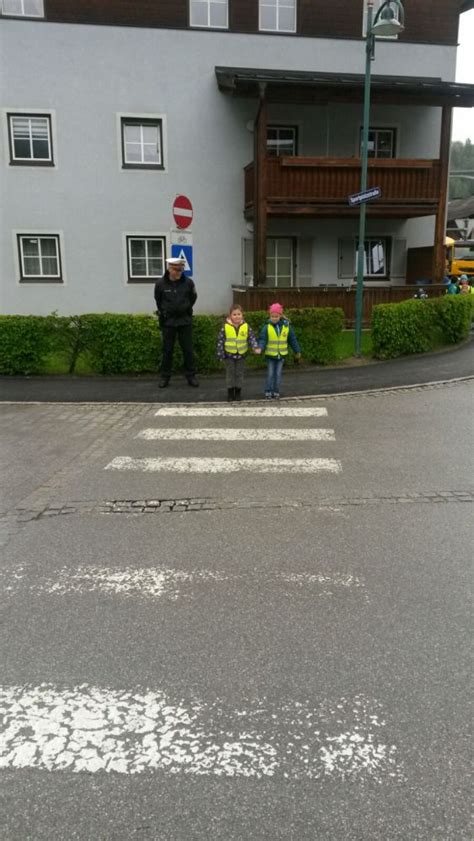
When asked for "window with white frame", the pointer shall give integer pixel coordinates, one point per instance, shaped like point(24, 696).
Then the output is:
point(142, 143)
point(281, 140)
point(213, 14)
point(376, 257)
point(30, 139)
point(22, 8)
point(145, 258)
point(382, 142)
point(277, 15)
point(40, 257)
point(280, 261)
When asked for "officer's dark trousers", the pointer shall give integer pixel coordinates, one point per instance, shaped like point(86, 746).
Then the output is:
point(185, 339)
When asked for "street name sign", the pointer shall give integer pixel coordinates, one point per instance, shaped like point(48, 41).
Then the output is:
point(366, 195)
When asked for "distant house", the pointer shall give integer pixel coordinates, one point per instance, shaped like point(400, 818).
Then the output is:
point(250, 108)
point(460, 224)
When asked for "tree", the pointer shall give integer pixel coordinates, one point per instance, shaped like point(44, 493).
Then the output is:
point(462, 158)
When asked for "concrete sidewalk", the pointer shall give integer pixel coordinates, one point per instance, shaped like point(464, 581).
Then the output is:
point(297, 381)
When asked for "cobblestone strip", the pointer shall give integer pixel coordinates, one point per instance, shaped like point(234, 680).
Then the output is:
point(168, 506)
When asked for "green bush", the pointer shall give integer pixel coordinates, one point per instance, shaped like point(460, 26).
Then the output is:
point(417, 326)
point(119, 344)
point(25, 342)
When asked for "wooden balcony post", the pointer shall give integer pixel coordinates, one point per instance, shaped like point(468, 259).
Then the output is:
point(439, 250)
point(260, 192)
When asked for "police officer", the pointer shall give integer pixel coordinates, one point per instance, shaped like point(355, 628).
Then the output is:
point(175, 295)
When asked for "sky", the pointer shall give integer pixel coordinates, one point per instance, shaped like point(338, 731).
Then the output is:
point(463, 123)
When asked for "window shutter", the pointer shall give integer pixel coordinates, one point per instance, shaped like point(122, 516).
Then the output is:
point(398, 262)
point(304, 275)
point(346, 257)
point(247, 262)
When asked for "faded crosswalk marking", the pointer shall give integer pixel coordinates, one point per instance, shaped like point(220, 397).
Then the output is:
point(226, 465)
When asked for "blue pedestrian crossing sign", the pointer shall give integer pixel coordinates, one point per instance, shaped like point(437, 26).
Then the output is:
point(184, 252)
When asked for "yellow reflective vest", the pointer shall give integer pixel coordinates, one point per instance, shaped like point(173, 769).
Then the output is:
point(236, 340)
point(277, 345)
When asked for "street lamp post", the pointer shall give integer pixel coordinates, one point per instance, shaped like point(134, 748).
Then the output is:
point(389, 20)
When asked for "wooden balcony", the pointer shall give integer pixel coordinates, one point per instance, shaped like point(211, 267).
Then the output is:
point(320, 187)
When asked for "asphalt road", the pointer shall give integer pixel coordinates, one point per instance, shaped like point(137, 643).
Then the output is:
point(260, 638)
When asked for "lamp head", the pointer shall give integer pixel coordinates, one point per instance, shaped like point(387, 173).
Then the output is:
point(389, 19)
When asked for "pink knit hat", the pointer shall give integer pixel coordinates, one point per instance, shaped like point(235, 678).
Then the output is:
point(277, 308)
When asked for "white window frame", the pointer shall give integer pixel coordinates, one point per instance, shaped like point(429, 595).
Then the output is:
point(209, 24)
point(30, 161)
point(57, 277)
point(277, 128)
point(377, 130)
point(146, 119)
point(21, 9)
point(277, 5)
point(276, 240)
point(148, 278)
point(375, 240)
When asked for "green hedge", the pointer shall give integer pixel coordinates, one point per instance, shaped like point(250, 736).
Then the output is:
point(417, 326)
point(120, 343)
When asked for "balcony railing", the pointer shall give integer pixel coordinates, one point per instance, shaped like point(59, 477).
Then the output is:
point(321, 186)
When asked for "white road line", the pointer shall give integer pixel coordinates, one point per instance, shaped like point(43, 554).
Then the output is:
point(167, 583)
point(273, 411)
point(91, 729)
point(226, 465)
point(234, 434)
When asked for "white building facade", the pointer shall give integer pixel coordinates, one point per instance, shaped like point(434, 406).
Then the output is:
point(105, 124)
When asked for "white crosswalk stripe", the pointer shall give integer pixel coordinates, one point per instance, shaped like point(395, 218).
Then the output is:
point(92, 729)
point(236, 434)
point(241, 435)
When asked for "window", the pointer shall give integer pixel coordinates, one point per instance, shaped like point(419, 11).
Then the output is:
point(280, 262)
point(23, 8)
point(382, 142)
point(30, 139)
point(145, 257)
point(40, 258)
point(377, 261)
point(277, 15)
point(142, 143)
point(281, 140)
point(213, 14)
point(375, 257)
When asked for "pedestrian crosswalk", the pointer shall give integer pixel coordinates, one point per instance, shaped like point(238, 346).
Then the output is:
point(226, 432)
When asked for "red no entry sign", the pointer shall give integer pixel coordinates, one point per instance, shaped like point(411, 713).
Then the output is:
point(182, 211)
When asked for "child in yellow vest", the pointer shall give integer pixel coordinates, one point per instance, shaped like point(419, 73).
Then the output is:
point(233, 342)
point(275, 337)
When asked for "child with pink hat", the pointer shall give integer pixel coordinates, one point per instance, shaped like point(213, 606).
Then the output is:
point(275, 336)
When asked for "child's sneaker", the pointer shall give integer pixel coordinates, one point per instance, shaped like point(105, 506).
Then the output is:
point(276, 395)
point(268, 395)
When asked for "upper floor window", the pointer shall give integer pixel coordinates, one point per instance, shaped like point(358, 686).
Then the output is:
point(30, 139)
point(146, 258)
point(40, 258)
point(277, 15)
point(23, 8)
point(281, 140)
point(213, 14)
point(382, 142)
point(142, 143)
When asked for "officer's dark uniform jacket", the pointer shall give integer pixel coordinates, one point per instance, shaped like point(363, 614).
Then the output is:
point(175, 300)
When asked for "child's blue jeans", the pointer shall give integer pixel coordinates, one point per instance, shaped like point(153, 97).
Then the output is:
point(274, 372)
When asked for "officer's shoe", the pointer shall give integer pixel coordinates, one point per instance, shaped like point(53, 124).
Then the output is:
point(193, 381)
point(230, 395)
point(164, 382)
point(238, 393)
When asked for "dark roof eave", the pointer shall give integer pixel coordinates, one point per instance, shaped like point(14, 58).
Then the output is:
point(308, 86)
